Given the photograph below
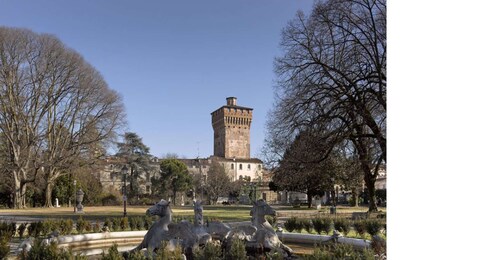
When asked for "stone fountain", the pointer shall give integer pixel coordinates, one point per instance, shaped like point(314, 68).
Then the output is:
point(258, 236)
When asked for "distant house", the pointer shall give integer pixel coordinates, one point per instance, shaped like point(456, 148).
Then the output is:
point(111, 176)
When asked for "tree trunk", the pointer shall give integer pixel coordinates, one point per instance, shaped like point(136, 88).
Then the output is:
point(370, 185)
point(369, 177)
point(175, 196)
point(48, 195)
point(309, 200)
point(131, 182)
point(355, 197)
point(17, 193)
point(22, 195)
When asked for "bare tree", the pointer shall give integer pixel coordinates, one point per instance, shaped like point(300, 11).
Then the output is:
point(332, 76)
point(218, 182)
point(54, 108)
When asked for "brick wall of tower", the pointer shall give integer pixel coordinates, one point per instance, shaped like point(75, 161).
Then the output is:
point(232, 132)
point(219, 132)
point(237, 132)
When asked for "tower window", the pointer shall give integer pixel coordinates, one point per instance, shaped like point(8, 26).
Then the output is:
point(241, 166)
point(248, 167)
point(232, 166)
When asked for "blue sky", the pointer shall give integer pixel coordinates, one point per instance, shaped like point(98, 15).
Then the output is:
point(173, 62)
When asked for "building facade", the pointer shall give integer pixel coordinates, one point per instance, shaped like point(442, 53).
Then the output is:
point(111, 175)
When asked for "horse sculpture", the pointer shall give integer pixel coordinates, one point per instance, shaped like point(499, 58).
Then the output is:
point(260, 234)
point(158, 231)
point(190, 235)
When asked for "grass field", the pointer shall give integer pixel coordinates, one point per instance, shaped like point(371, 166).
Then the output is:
point(223, 213)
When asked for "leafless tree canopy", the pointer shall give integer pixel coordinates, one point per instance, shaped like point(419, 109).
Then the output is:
point(55, 108)
point(332, 78)
point(218, 182)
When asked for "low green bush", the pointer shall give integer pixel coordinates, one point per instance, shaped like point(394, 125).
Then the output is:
point(322, 225)
point(34, 229)
point(133, 223)
point(83, 225)
point(211, 251)
point(340, 251)
point(96, 227)
point(66, 226)
point(319, 253)
point(47, 226)
point(109, 224)
point(4, 246)
point(299, 225)
point(7, 229)
point(237, 250)
point(140, 223)
point(342, 225)
point(164, 253)
point(116, 224)
point(317, 224)
point(360, 227)
point(291, 224)
point(112, 254)
point(307, 225)
point(140, 255)
point(327, 225)
point(39, 251)
point(344, 251)
point(124, 223)
point(148, 222)
point(373, 226)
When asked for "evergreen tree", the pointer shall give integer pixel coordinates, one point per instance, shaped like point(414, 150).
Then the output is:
point(136, 157)
point(174, 177)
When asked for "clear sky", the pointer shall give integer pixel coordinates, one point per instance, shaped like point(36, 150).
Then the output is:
point(173, 62)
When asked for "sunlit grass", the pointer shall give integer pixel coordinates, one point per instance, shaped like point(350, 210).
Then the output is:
point(218, 212)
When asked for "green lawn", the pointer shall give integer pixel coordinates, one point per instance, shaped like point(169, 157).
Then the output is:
point(224, 213)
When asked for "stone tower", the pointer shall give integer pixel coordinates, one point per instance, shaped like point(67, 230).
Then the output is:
point(231, 125)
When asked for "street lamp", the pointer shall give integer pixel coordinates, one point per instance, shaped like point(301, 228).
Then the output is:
point(124, 172)
point(332, 196)
point(254, 186)
point(74, 184)
point(235, 170)
point(201, 179)
point(337, 195)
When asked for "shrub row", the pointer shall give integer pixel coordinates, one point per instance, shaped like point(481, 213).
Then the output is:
point(45, 227)
point(67, 226)
point(342, 251)
point(325, 225)
point(7, 229)
point(126, 223)
point(40, 250)
point(317, 224)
